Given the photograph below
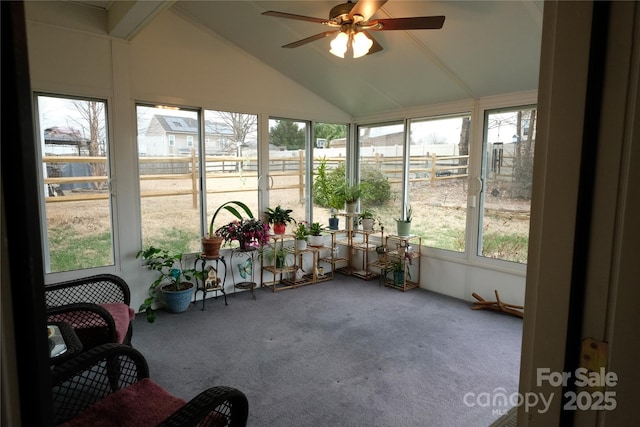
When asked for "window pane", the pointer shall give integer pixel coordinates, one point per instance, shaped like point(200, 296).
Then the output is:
point(287, 165)
point(330, 148)
point(169, 174)
point(75, 167)
point(506, 192)
point(231, 145)
point(439, 154)
point(381, 171)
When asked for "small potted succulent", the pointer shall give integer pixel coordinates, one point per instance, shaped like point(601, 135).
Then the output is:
point(315, 234)
point(279, 217)
point(367, 219)
point(302, 235)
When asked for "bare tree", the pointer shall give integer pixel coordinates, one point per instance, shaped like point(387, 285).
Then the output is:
point(463, 145)
point(241, 124)
point(92, 123)
point(523, 153)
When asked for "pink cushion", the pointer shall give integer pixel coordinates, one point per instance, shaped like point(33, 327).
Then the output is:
point(122, 315)
point(142, 404)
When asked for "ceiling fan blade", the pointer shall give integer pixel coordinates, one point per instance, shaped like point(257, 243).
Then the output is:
point(375, 47)
point(415, 23)
point(293, 16)
point(310, 39)
point(366, 8)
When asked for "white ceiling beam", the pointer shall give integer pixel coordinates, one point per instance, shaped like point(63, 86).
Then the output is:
point(126, 18)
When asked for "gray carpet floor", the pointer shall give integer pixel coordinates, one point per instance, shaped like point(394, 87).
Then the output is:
point(340, 353)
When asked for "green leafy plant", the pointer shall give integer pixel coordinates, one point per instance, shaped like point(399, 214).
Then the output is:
point(352, 192)
point(229, 206)
point(316, 229)
point(171, 274)
point(366, 214)
point(397, 267)
point(271, 254)
point(279, 215)
point(327, 190)
point(302, 231)
point(374, 186)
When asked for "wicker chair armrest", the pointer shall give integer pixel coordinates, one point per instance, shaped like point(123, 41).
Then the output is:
point(215, 406)
point(90, 377)
point(93, 324)
point(100, 288)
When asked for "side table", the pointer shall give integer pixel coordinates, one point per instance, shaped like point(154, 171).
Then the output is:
point(206, 286)
point(63, 342)
point(245, 269)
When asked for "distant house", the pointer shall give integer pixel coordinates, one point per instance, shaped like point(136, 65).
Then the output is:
point(174, 136)
point(65, 141)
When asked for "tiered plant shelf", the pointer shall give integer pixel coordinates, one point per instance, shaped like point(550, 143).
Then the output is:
point(405, 253)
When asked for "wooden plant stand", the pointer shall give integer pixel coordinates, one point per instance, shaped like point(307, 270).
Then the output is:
point(497, 305)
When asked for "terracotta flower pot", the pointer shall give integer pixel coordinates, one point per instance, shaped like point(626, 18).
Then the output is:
point(211, 246)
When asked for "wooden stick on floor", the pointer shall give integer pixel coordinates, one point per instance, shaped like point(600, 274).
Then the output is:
point(497, 305)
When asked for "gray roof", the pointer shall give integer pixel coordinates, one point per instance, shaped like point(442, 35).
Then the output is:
point(177, 124)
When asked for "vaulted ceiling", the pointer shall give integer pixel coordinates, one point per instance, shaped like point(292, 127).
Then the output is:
point(484, 48)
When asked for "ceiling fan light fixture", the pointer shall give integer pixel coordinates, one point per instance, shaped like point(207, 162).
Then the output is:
point(339, 44)
point(361, 44)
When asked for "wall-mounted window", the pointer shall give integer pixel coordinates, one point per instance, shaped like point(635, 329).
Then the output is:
point(288, 153)
point(75, 183)
point(330, 140)
point(230, 162)
point(381, 148)
point(169, 179)
point(429, 169)
point(438, 177)
point(507, 170)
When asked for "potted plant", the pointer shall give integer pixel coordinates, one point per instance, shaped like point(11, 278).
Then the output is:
point(279, 217)
point(248, 232)
point(276, 257)
point(351, 193)
point(404, 223)
point(381, 250)
point(302, 235)
point(397, 267)
point(211, 242)
point(367, 219)
point(315, 234)
point(173, 280)
point(330, 193)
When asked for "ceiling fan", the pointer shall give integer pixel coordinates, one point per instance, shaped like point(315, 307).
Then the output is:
point(353, 23)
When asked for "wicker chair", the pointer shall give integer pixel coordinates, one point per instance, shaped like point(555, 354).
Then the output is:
point(97, 307)
point(109, 385)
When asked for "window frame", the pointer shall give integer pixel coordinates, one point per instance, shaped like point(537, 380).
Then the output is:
point(51, 276)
